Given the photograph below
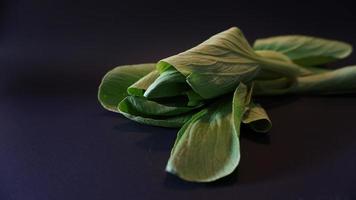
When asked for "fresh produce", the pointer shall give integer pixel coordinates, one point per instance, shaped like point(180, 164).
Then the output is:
point(207, 92)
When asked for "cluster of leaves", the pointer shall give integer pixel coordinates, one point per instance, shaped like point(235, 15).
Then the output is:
point(207, 91)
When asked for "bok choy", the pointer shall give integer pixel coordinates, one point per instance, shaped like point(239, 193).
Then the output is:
point(207, 92)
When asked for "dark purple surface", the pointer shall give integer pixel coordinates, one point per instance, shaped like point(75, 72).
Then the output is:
point(56, 142)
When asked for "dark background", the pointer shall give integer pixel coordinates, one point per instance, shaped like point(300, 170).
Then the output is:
point(56, 142)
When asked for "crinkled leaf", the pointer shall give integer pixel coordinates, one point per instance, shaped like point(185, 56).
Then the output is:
point(113, 87)
point(305, 50)
point(223, 52)
point(207, 146)
point(216, 66)
point(256, 117)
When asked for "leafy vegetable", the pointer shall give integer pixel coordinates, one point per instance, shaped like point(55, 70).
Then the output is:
point(207, 92)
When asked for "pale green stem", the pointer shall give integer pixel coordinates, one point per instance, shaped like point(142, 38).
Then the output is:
point(338, 81)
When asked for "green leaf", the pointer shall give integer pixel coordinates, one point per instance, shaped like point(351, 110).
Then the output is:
point(140, 86)
point(113, 87)
point(205, 153)
point(305, 50)
point(240, 101)
point(272, 87)
point(169, 122)
point(211, 85)
point(169, 83)
point(256, 117)
point(216, 66)
point(144, 107)
point(207, 146)
point(220, 53)
point(194, 98)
